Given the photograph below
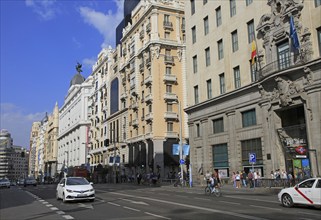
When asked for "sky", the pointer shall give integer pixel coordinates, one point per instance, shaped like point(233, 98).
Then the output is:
point(41, 43)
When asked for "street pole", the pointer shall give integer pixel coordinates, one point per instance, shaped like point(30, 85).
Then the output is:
point(180, 140)
point(114, 156)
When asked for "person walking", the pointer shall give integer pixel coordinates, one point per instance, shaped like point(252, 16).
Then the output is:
point(238, 180)
point(233, 179)
point(250, 178)
point(244, 178)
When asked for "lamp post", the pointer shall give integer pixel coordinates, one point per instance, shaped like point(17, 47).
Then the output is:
point(180, 138)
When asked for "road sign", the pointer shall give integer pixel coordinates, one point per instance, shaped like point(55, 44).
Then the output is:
point(181, 161)
point(252, 157)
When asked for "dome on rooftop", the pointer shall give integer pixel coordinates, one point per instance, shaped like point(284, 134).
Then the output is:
point(77, 79)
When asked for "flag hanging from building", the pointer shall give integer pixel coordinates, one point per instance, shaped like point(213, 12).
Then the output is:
point(253, 53)
point(294, 35)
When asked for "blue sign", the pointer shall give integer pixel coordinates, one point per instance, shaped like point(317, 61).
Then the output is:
point(252, 157)
point(181, 161)
point(186, 149)
point(175, 149)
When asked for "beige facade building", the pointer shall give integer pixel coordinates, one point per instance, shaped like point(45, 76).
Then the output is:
point(51, 146)
point(269, 109)
point(151, 64)
point(33, 147)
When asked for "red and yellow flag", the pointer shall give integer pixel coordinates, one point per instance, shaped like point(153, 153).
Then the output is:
point(253, 54)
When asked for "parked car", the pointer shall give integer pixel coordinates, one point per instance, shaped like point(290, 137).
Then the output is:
point(307, 192)
point(30, 181)
point(4, 182)
point(21, 182)
point(75, 188)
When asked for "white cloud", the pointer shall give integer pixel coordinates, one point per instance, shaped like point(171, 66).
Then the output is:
point(76, 42)
point(105, 23)
point(89, 62)
point(45, 8)
point(18, 123)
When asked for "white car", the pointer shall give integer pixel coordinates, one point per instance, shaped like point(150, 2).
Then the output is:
point(75, 188)
point(307, 192)
point(4, 182)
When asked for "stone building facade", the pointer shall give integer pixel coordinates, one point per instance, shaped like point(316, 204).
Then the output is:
point(269, 108)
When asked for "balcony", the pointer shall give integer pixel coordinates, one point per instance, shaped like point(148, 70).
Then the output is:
point(134, 105)
point(123, 96)
point(148, 61)
point(141, 34)
point(149, 135)
point(170, 96)
point(141, 66)
point(171, 116)
point(149, 117)
point(168, 59)
point(149, 98)
point(148, 27)
point(171, 134)
point(148, 80)
point(170, 78)
point(168, 25)
point(183, 27)
point(135, 122)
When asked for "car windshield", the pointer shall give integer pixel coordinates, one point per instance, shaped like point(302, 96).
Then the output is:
point(4, 180)
point(77, 181)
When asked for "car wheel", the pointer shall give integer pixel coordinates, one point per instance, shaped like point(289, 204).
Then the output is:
point(287, 200)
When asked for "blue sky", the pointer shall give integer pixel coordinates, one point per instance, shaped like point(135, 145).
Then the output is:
point(41, 43)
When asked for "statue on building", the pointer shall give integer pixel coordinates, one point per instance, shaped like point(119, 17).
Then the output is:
point(78, 67)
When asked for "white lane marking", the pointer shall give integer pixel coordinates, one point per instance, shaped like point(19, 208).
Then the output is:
point(193, 207)
point(68, 217)
point(41, 200)
point(135, 202)
point(244, 198)
point(111, 203)
point(85, 206)
point(163, 194)
point(54, 208)
point(159, 216)
point(126, 207)
point(233, 203)
point(49, 205)
point(201, 198)
point(264, 207)
point(60, 212)
point(45, 202)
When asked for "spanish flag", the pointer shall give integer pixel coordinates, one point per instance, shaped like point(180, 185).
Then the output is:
point(253, 54)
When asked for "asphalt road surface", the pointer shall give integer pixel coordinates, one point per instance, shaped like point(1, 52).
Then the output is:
point(125, 201)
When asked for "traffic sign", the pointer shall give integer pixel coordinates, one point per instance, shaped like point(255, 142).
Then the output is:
point(181, 161)
point(252, 157)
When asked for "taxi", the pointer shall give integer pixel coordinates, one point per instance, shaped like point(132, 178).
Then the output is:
point(307, 192)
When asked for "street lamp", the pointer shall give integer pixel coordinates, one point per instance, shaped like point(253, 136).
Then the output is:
point(180, 138)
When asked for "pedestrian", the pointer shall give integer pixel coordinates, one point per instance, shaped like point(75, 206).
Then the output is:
point(250, 177)
point(139, 178)
point(244, 178)
point(233, 179)
point(238, 180)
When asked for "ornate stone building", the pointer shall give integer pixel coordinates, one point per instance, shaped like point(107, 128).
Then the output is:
point(269, 108)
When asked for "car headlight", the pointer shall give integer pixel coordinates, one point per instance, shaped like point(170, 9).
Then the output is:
point(91, 190)
point(69, 190)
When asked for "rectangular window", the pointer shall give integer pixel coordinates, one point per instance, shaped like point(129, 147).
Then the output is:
point(283, 55)
point(253, 71)
point(218, 16)
point(237, 77)
point(249, 118)
point(169, 88)
point(194, 35)
point(192, 7)
point(170, 126)
point(167, 35)
point(218, 125)
point(317, 3)
point(250, 31)
point(248, 2)
point(235, 43)
point(166, 18)
point(220, 49)
point(319, 38)
point(222, 83)
point(206, 28)
point(251, 146)
point(196, 94)
point(207, 57)
point(209, 88)
point(198, 130)
point(220, 156)
point(232, 8)
point(195, 64)
point(168, 70)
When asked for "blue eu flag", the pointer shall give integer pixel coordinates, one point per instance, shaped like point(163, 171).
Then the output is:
point(294, 35)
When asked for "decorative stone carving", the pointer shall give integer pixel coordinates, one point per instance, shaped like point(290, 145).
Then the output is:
point(155, 51)
point(179, 54)
point(308, 76)
point(306, 46)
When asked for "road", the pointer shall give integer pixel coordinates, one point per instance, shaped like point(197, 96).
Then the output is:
point(139, 202)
